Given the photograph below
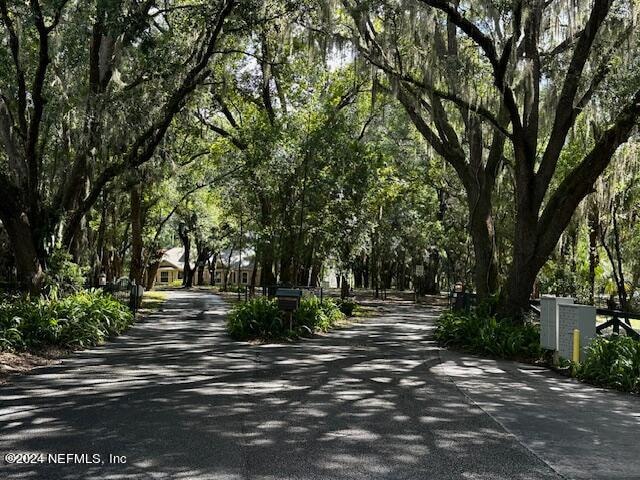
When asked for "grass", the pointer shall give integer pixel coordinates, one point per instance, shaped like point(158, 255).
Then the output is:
point(361, 311)
point(153, 300)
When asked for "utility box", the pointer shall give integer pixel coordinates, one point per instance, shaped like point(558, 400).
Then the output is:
point(549, 320)
point(288, 299)
point(571, 317)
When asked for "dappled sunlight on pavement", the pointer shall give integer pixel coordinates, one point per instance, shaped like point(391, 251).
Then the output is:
point(582, 431)
point(181, 400)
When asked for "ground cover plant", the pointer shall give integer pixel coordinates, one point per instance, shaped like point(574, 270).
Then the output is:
point(483, 334)
point(83, 319)
point(613, 362)
point(260, 318)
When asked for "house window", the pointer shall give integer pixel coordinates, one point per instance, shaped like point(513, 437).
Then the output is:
point(218, 277)
point(164, 277)
point(245, 277)
point(179, 275)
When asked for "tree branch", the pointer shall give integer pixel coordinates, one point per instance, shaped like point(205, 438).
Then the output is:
point(565, 110)
point(143, 148)
point(579, 182)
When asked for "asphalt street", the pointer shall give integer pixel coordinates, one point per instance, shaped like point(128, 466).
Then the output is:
point(176, 398)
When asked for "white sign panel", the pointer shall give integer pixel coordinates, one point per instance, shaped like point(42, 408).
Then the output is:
point(549, 320)
point(571, 317)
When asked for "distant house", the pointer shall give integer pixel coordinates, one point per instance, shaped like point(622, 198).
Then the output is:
point(171, 266)
point(238, 265)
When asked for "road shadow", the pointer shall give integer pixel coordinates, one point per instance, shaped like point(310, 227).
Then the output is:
point(180, 400)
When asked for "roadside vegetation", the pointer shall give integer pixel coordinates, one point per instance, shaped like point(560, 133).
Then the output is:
point(79, 320)
point(261, 319)
point(610, 361)
point(152, 300)
point(482, 334)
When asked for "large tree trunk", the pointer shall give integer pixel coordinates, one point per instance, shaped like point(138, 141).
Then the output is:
point(152, 271)
point(286, 264)
point(29, 263)
point(254, 274)
point(344, 287)
point(481, 228)
point(527, 259)
point(429, 284)
point(267, 276)
point(227, 271)
point(203, 256)
point(365, 272)
point(100, 250)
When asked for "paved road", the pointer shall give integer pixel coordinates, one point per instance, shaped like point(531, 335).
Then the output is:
point(182, 401)
point(583, 432)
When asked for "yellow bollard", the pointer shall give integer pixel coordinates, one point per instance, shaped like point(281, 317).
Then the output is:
point(576, 346)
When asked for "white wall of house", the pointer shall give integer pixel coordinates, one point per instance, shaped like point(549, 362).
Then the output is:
point(168, 275)
point(171, 270)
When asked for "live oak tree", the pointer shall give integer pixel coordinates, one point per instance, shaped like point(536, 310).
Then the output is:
point(529, 78)
point(87, 92)
point(298, 125)
point(372, 135)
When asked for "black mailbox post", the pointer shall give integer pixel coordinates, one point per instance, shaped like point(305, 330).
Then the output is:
point(288, 302)
point(288, 299)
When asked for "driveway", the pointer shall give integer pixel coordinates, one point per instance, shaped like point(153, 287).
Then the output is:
point(176, 398)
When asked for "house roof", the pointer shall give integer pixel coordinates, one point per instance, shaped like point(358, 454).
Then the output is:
point(175, 257)
point(248, 258)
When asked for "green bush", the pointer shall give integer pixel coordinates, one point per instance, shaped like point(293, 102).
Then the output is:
point(347, 306)
point(485, 335)
point(313, 315)
point(260, 318)
point(63, 275)
point(256, 318)
point(612, 362)
point(83, 319)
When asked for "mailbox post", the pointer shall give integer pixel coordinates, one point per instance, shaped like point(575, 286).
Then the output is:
point(135, 296)
point(288, 302)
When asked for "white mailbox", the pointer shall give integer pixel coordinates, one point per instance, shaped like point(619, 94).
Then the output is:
point(571, 317)
point(549, 332)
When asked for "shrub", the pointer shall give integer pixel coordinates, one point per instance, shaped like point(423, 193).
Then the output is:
point(83, 319)
point(63, 275)
point(256, 318)
point(88, 317)
point(612, 362)
point(261, 318)
point(313, 315)
point(347, 306)
point(486, 335)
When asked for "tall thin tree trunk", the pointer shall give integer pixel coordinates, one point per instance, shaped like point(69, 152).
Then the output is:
point(183, 233)
point(593, 223)
point(137, 268)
